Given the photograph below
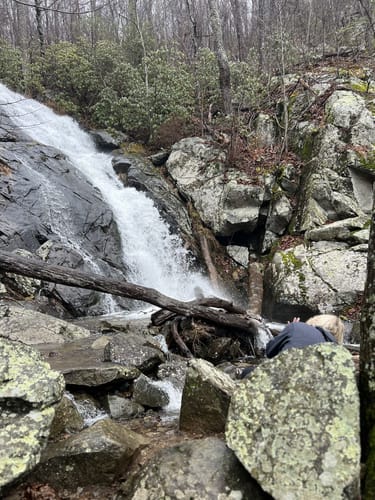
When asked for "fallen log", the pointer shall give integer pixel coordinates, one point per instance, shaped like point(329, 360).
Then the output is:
point(160, 317)
point(71, 277)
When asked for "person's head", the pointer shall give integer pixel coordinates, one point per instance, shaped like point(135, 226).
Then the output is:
point(329, 322)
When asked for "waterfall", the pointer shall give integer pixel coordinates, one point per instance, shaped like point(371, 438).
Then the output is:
point(156, 257)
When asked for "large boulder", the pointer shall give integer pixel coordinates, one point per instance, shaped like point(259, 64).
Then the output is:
point(205, 398)
point(327, 276)
point(32, 327)
point(134, 350)
point(294, 424)
point(29, 390)
point(224, 198)
point(99, 454)
point(203, 468)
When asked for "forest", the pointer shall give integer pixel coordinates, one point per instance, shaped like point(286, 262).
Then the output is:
point(160, 69)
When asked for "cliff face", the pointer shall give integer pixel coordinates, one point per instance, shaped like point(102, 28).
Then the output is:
point(307, 220)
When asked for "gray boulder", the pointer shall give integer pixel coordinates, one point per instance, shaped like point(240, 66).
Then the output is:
point(265, 131)
point(202, 468)
point(326, 276)
point(120, 407)
point(139, 351)
point(31, 327)
point(28, 391)
point(97, 455)
point(67, 418)
point(294, 424)
point(205, 398)
point(148, 393)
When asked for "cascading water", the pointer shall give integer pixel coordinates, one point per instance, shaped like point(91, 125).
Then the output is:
point(156, 258)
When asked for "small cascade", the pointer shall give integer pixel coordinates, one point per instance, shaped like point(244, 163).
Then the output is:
point(89, 412)
point(172, 410)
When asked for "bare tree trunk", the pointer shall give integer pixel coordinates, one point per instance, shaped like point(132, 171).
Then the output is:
point(70, 277)
point(134, 20)
point(366, 8)
point(260, 33)
point(224, 71)
point(367, 371)
point(39, 25)
point(194, 25)
point(281, 35)
point(236, 10)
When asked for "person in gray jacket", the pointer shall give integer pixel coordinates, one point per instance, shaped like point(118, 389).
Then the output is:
point(297, 334)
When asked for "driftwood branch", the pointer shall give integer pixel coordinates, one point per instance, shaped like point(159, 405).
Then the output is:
point(72, 277)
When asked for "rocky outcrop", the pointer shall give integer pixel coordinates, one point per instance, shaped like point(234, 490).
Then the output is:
point(339, 177)
point(28, 391)
point(225, 199)
point(203, 468)
point(294, 424)
point(333, 209)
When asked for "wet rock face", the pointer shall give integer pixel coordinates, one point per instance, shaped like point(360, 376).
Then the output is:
point(28, 391)
point(81, 361)
point(294, 424)
point(44, 198)
point(140, 173)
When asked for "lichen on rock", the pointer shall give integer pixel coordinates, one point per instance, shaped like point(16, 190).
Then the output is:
point(294, 424)
point(28, 391)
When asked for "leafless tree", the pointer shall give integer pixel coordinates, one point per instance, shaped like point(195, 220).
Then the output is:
point(224, 71)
